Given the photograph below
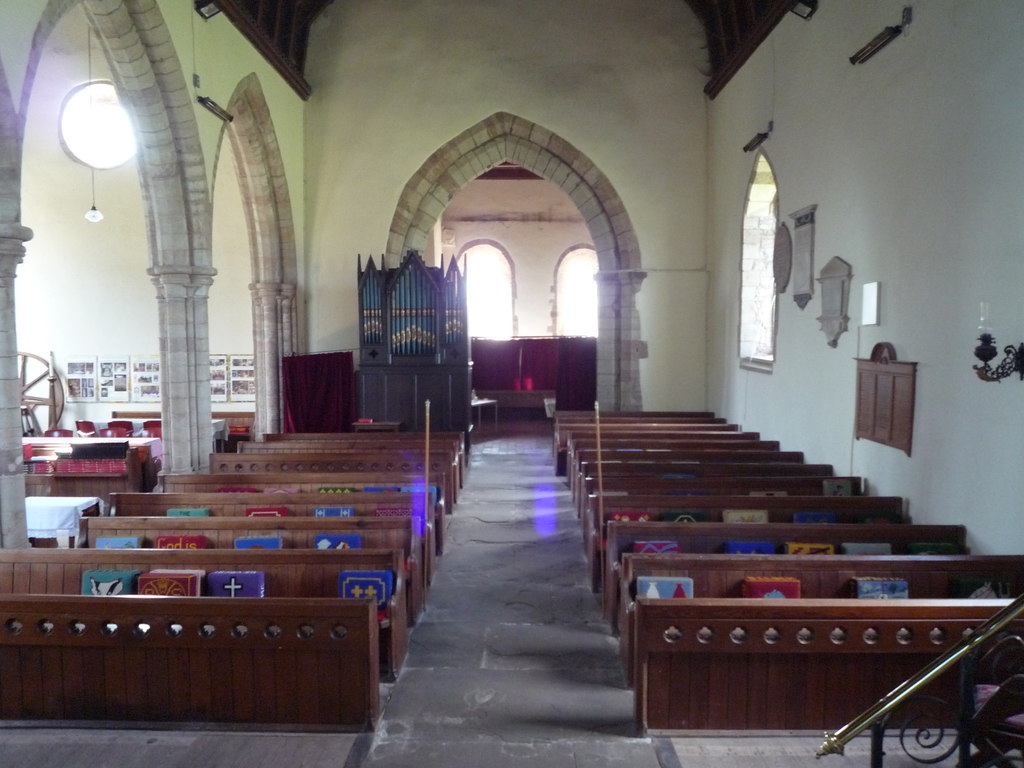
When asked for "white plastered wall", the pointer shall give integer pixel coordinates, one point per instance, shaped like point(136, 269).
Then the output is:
point(614, 79)
point(914, 161)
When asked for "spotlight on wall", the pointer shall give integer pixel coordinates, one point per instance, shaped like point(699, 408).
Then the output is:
point(759, 139)
point(207, 8)
point(986, 351)
point(883, 38)
point(216, 108)
point(805, 8)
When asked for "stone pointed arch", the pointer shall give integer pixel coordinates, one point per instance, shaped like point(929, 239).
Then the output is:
point(507, 137)
point(268, 212)
point(176, 205)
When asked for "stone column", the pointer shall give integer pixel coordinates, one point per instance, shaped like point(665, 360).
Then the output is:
point(13, 532)
point(619, 345)
point(182, 296)
point(289, 328)
point(267, 336)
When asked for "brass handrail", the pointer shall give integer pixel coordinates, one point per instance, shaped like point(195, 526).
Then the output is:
point(835, 742)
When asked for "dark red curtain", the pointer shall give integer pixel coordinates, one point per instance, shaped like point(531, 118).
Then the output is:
point(566, 365)
point(319, 392)
point(540, 364)
point(515, 363)
point(495, 363)
point(577, 374)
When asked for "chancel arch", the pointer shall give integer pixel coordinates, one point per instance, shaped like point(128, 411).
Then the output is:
point(504, 137)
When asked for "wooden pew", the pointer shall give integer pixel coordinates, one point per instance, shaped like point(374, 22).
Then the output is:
point(564, 428)
point(675, 465)
point(569, 436)
point(737, 663)
point(562, 420)
point(454, 441)
point(295, 533)
point(270, 663)
point(821, 576)
point(780, 509)
point(282, 485)
point(289, 573)
point(725, 479)
point(449, 446)
point(421, 526)
point(711, 538)
point(441, 473)
point(592, 522)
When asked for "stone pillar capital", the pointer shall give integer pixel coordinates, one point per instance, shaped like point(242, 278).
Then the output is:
point(181, 281)
point(624, 278)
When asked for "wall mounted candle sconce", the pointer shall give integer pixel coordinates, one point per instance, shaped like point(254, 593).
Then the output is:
point(883, 38)
point(986, 351)
point(759, 138)
point(805, 8)
point(207, 8)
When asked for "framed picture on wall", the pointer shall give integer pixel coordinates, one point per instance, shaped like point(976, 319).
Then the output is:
point(218, 378)
point(242, 381)
point(81, 379)
point(112, 379)
point(145, 378)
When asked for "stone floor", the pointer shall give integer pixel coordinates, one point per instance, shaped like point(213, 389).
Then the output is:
point(510, 665)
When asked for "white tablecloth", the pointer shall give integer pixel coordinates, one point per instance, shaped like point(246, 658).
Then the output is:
point(220, 427)
point(51, 517)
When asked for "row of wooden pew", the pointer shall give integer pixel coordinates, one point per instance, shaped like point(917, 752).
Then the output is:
point(301, 657)
point(719, 660)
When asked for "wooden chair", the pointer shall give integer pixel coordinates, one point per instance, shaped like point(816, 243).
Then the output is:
point(113, 432)
point(59, 433)
point(127, 426)
point(85, 428)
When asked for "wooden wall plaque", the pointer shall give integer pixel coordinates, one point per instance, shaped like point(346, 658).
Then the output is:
point(885, 398)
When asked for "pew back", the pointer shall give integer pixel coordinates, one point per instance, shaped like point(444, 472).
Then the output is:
point(821, 576)
point(275, 662)
point(281, 487)
point(442, 473)
point(710, 663)
point(710, 538)
point(295, 533)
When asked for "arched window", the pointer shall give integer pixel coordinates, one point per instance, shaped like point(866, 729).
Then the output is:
point(490, 290)
point(757, 293)
point(94, 128)
point(576, 293)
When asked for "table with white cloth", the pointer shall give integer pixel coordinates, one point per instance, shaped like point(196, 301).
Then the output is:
point(58, 517)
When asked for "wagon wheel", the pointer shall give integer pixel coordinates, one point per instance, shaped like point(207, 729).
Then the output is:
point(40, 386)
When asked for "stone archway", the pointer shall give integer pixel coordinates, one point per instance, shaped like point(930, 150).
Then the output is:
point(268, 211)
point(176, 206)
point(506, 137)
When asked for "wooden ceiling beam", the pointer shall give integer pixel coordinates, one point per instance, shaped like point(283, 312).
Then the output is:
point(767, 19)
point(251, 21)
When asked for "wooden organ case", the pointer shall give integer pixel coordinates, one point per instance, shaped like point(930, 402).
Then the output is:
point(414, 345)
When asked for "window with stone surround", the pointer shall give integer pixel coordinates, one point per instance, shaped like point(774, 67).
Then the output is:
point(490, 290)
point(757, 291)
point(576, 293)
point(95, 129)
